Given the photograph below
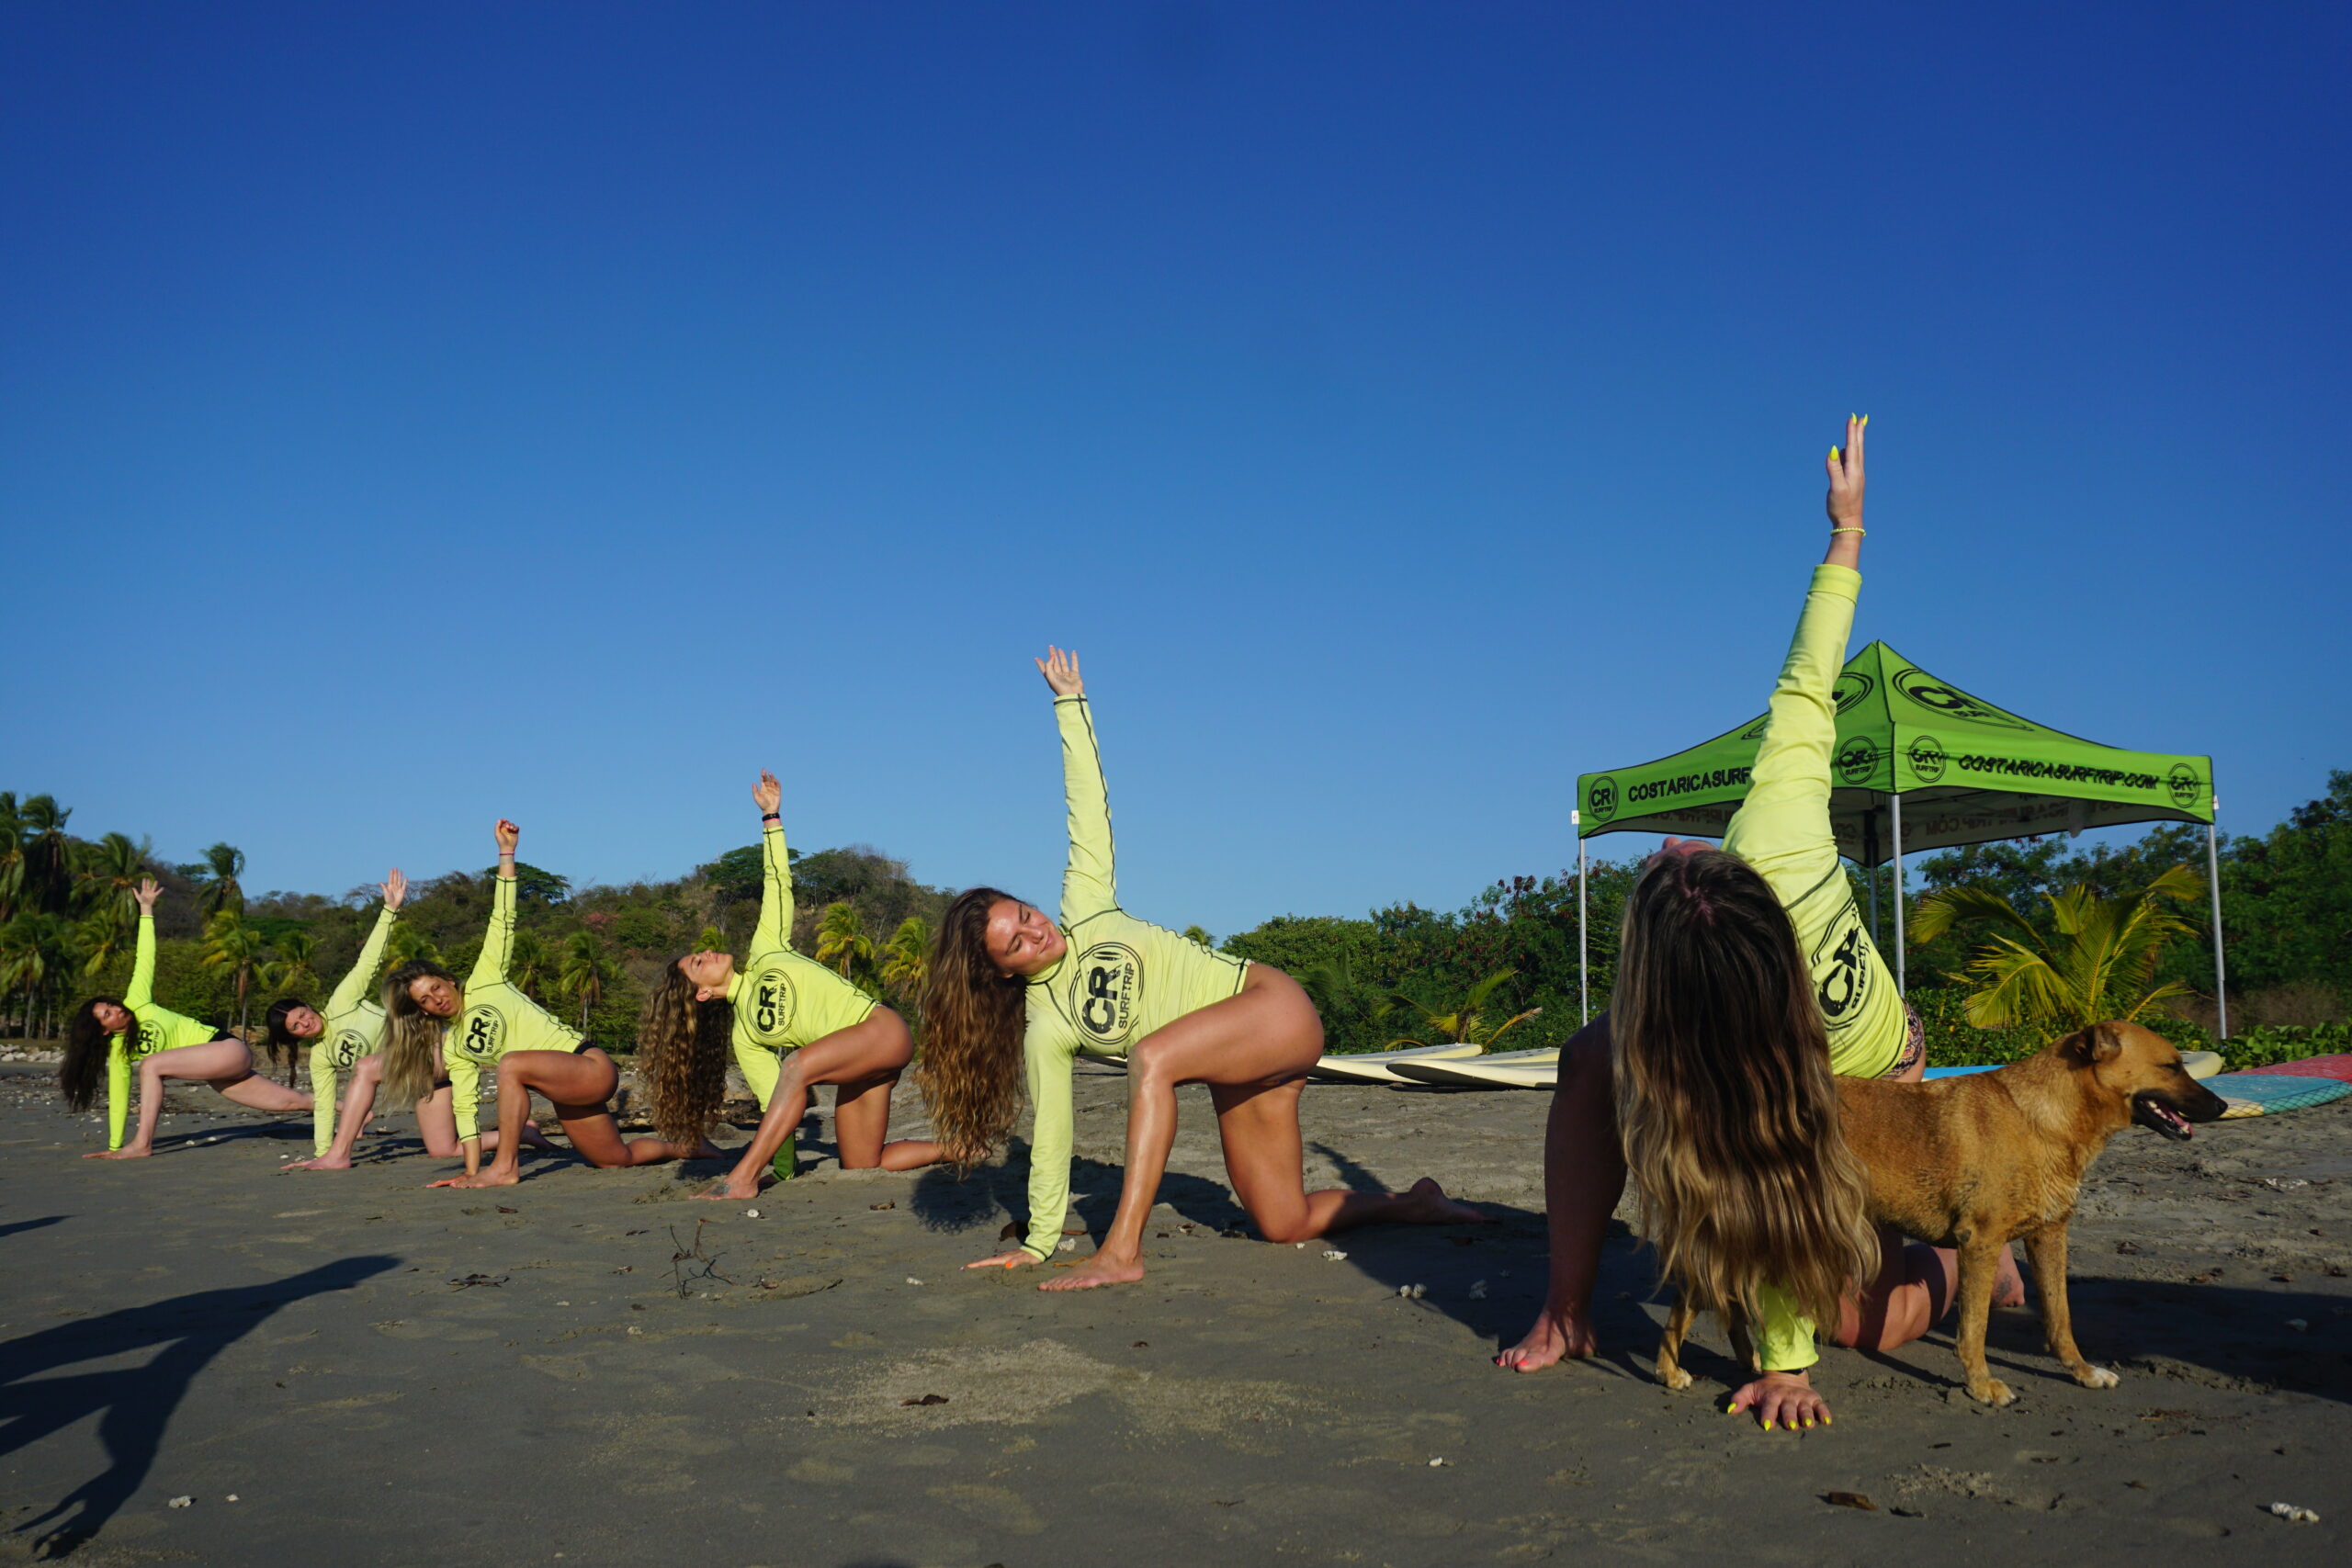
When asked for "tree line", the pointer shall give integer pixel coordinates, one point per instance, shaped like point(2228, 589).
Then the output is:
point(2026, 924)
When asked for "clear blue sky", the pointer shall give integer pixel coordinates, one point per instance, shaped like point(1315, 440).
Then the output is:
point(411, 413)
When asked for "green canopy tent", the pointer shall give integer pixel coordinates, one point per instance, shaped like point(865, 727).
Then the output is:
point(1920, 765)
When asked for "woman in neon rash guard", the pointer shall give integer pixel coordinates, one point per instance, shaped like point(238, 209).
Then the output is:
point(499, 1030)
point(1746, 981)
point(794, 1025)
point(1009, 986)
point(131, 1034)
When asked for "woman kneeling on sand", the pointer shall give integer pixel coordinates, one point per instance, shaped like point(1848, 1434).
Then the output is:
point(1010, 988)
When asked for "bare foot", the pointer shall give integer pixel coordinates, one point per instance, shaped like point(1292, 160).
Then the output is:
point(317, 1162)
point(1555, 1336)
point(490, 1177)
point(534, 1139)
point(2008, 1285)
point(128, 1151)
point(1431, 1206)
point(1096, 1270)
point(729, 1192)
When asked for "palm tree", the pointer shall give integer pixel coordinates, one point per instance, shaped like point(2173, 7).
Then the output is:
point(12, 855)
point(107, 872)
point(291, 971)
point(711, 941)
point(2096, 961)
point(231, 944)
point(36, 951)
point(1465, 1023)
point(842, 942)
point(408, 943)
point(906, 957)
point(1200, 935)
point(217, 875)
point(526, 963)
point(585, 972)
point(101, 938)
point(48, 873)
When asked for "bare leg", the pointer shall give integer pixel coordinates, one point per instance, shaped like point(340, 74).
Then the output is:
point(226, 1065)
point(866, 1060)
point(1584, 1175)
point(1913, 1289)
point(579, 1085)
point(1253, 1051)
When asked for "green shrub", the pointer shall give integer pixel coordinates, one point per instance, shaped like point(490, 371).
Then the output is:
point(2272, 1044)
point(1954, 1041)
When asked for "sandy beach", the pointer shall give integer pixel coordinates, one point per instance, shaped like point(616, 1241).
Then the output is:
point(380, 1375)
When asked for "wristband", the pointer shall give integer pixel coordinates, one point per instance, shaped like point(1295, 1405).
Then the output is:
point(771, 817)
point(1850, 530)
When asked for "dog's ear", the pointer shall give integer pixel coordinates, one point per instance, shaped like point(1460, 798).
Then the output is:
point(2099, 1043)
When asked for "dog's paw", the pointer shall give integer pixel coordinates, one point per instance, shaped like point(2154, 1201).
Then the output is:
point(1673, 1378)
point(2094, 1377)
point(1992, 1391)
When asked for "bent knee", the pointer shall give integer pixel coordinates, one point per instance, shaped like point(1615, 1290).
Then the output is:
point(1287, 1232)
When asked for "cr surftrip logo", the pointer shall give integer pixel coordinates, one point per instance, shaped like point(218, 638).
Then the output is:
point(1858, 759)
point(2183, 784)
point(1601, 798)
point(1841, 970)
point(479, 1032)
point(1953, 703)
point(1106, 990)
point(769, 1003)
point(1926, 754)
point(1852, 687)
point(348, 1047)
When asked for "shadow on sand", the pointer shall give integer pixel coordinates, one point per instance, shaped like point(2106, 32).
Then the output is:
point(134, 1405)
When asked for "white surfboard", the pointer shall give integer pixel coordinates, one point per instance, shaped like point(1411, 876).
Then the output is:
point(1375, 1066)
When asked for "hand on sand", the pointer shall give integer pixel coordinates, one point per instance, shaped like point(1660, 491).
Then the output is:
point(1098, 1270)
point(1785, 1398)
point(133, 1152)
point(1016, 1258)
point(1555, 1336)
point(317, 1162)
point(490, 1177)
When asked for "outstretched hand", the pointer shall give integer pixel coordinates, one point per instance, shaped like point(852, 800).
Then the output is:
point(507, 835)
point(1060, 671)
point(1018, 1257)
point(767, 794)
point(148, 890)
point(395, 889)
point(1845, 501)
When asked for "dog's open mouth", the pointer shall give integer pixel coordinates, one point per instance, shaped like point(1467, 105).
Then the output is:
point(2150, 1112)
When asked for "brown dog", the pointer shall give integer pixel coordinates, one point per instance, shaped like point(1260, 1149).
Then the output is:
point(1977, 1161)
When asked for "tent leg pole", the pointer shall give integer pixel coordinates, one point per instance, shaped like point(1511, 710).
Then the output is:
point(1584, 983)
point(1870, 875)
point(1895, 806)
point(2213, 881)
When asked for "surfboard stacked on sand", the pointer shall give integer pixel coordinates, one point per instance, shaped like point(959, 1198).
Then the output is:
point(1451, 1066)
point(2201, 1065)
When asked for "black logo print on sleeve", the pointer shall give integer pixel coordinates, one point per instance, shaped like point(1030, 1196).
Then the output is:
point(1841, 968)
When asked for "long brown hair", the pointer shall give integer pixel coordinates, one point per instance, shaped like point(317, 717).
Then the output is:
point(972, 1021)
point(681, 1056)
point(411, 1033)
point(85, 1051)
point(1725, 1098)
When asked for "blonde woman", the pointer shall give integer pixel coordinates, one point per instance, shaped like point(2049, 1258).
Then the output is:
point(1747, 981)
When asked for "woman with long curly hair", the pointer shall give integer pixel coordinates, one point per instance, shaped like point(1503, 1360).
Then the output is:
point(1746, 983)
point(793, 1024)
point(1010, 988)
point(499, 1030)
point(129, 1034)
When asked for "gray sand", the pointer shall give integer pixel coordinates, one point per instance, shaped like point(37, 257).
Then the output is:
point(381, 1374)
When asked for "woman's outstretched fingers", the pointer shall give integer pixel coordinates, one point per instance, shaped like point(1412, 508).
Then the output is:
point(1016, 1258)
point(1782, 1402)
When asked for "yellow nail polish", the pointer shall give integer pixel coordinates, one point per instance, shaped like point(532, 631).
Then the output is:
point(1833, 454)
point(1866, 419)
point(1809, 1425)
point(1768, 1423)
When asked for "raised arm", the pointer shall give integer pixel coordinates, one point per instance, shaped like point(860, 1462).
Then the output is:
point(143, 965)
point(498, 943)
point(774, 928)
point(1089, 883)
point(360, 978)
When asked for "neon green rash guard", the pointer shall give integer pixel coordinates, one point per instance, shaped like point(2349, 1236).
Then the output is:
point(160, 1028)
point(355, 1027)
point(1783, 829)
point(498, 1018)
point(1120, 979)
point(784, 999)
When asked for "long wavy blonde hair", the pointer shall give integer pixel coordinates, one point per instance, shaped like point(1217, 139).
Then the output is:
point(682, 1047)
point(1725, 1098)
point(411, 1035)
point(973, 1018)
